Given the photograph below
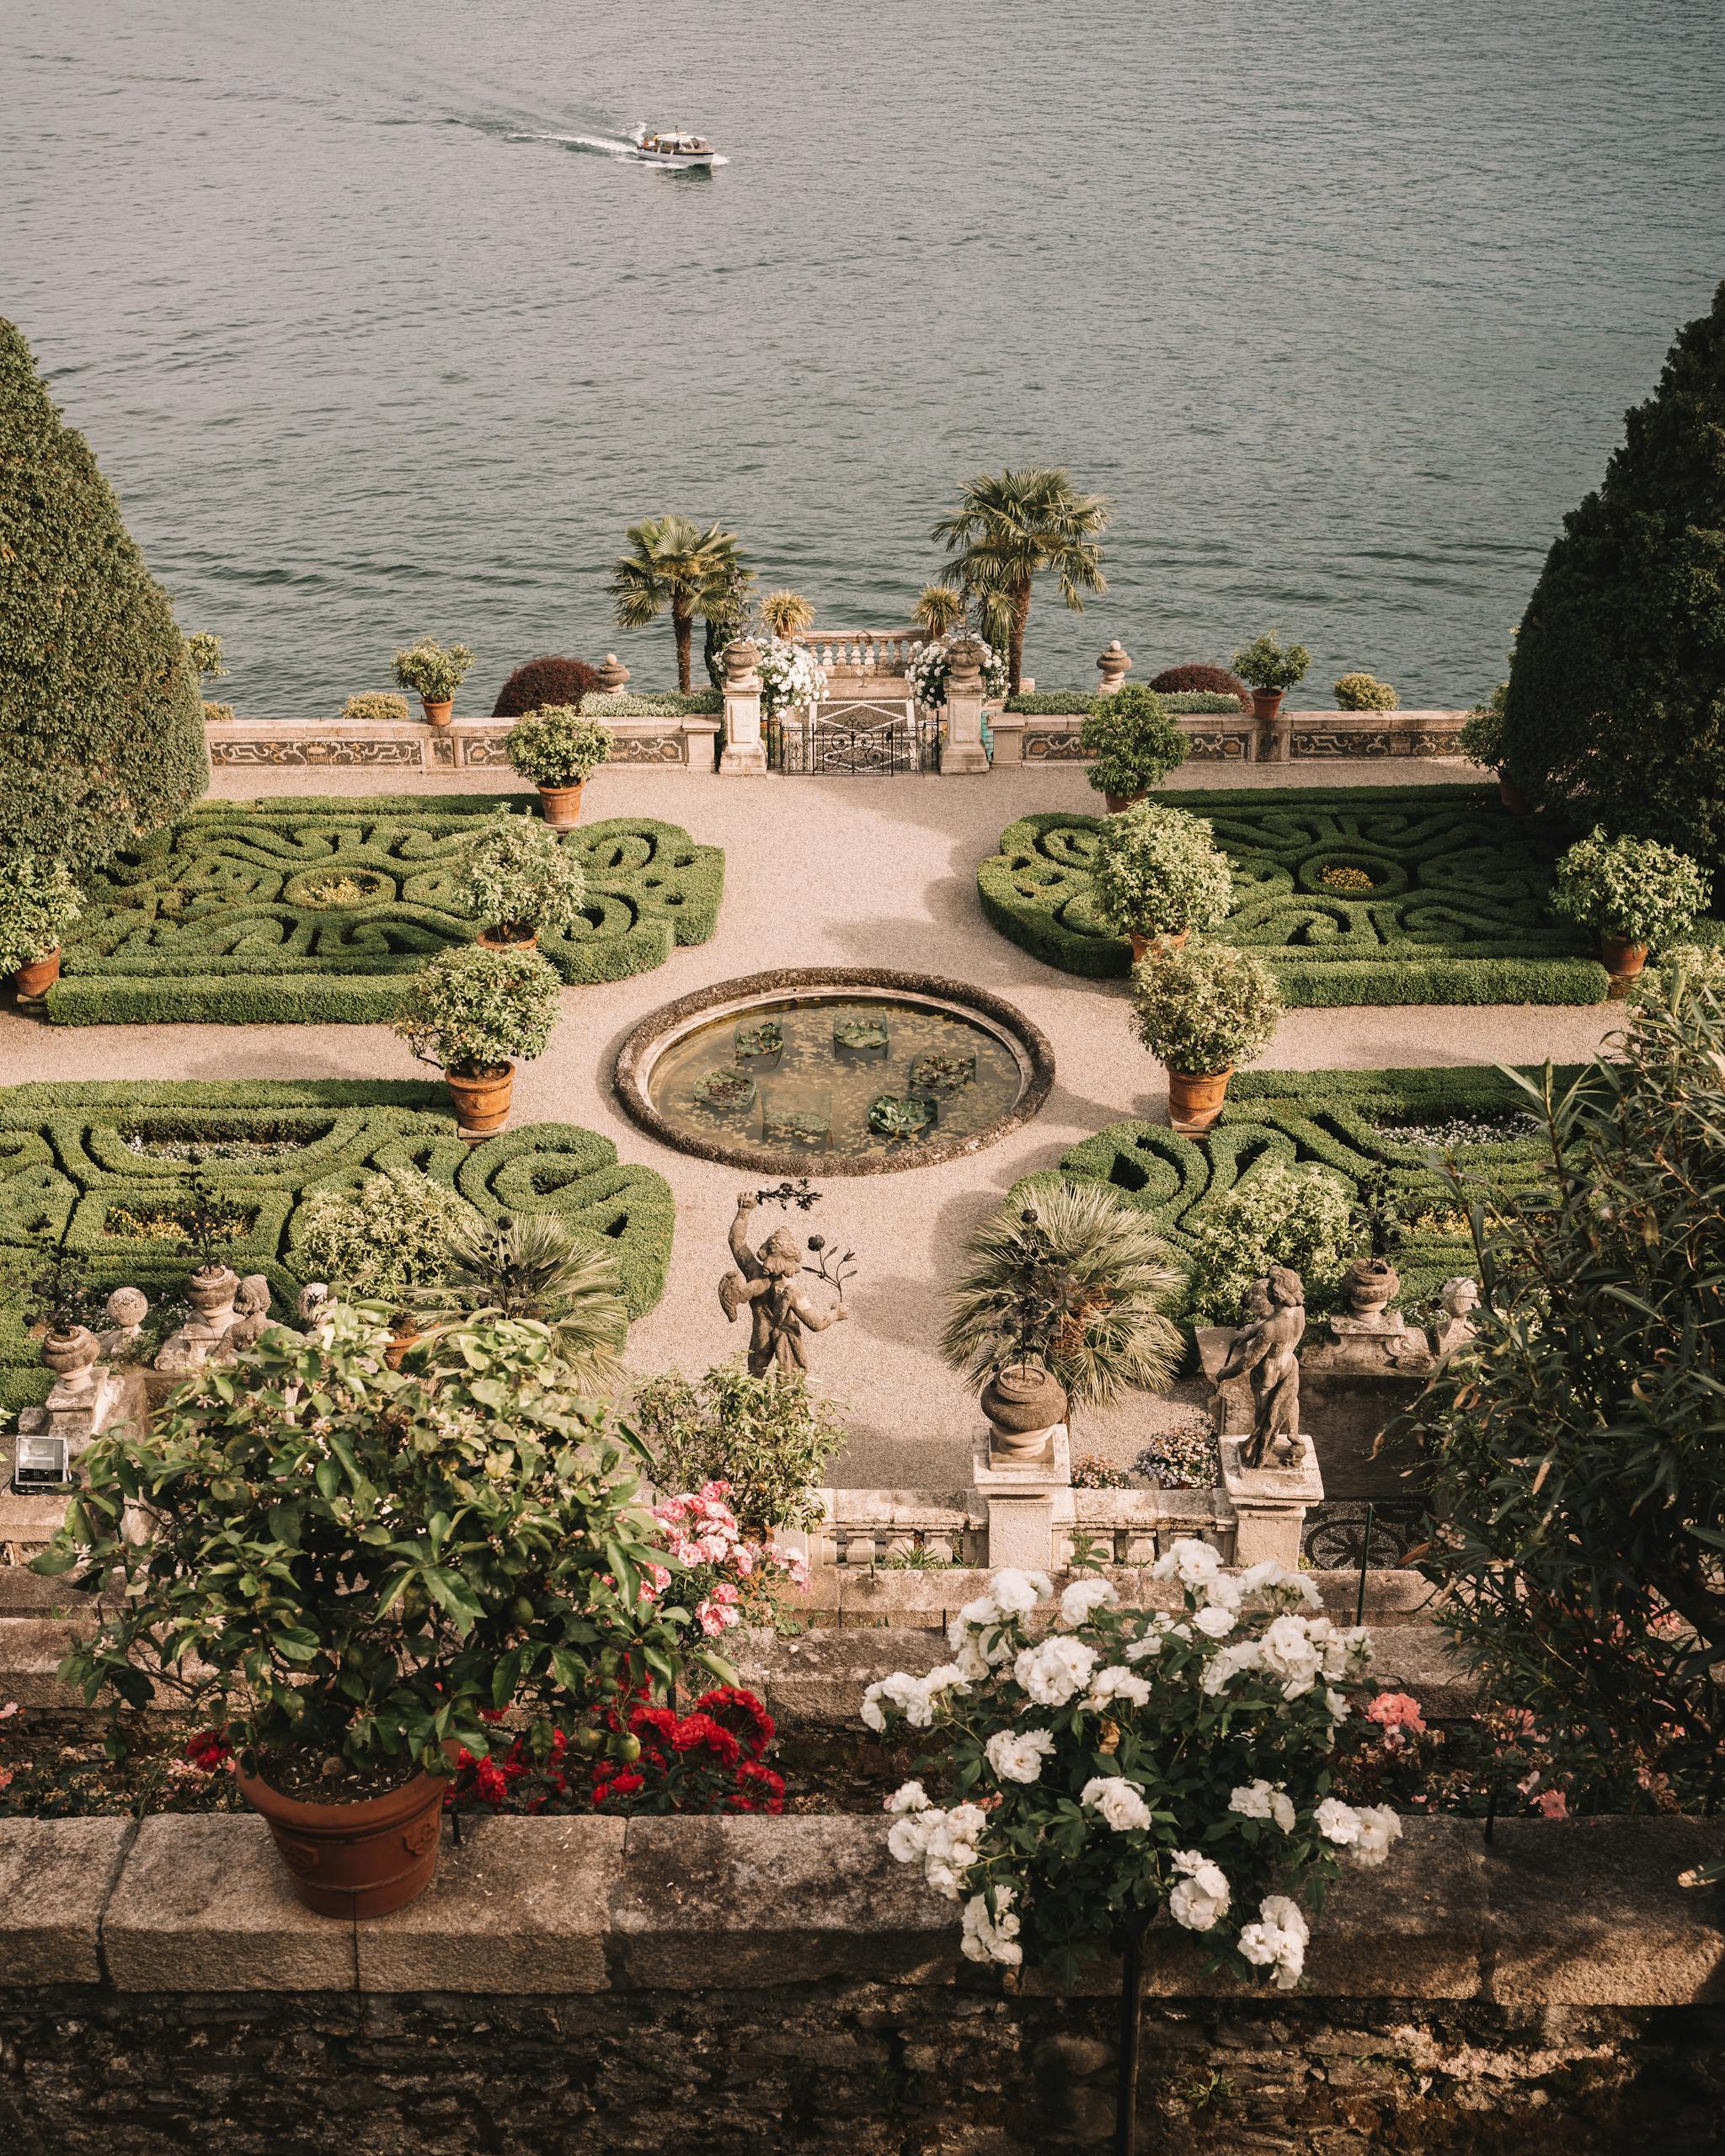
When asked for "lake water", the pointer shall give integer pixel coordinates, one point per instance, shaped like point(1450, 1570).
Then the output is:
point(1340, 301)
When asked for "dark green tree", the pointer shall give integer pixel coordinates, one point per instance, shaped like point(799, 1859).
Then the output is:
point(1616, 695)
point(101, 731)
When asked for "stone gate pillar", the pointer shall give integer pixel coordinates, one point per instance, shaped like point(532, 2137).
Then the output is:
point(744, 755)
point(963, 750)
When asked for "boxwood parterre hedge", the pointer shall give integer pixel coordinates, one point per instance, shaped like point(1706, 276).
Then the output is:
point(1355, 1122)
point(106, 1165)
point(1458, 912)
point(220, 919)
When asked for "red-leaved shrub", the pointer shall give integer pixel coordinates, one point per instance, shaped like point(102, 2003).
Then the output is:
point(544, 682)
point(1192, 681)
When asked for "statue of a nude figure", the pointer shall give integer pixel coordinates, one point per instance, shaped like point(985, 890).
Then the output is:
point(1266, 1350)
point(766, 1281)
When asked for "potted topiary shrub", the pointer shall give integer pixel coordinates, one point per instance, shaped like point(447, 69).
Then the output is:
point(39, 902)
point(420, 1551)
point(1159, 876)
point(558, 750)
point(1201, 1012)
point(1135, 744)
point(1637, 893)
point(434, 674)
point(519, 878)
point(1270, 669)
point(1365, 692)
point(471, 1012)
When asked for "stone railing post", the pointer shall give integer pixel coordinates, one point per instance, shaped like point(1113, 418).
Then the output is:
point(1028, 1501)
point(1111, 667)
point(1270, 1503)
point(744, 755)
point(963, 750)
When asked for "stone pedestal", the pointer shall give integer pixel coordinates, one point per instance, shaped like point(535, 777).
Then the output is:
point(962, 751)
point(1027, 1499)
point(1381, 1345)
point(744, 754)
point(1270, 1503)
point(82, 1412)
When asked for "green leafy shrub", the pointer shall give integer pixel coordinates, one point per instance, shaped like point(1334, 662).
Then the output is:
point(1613, 705)
point(473, 1010)
point(1481, 739)
point(1134, 740)
point(1158, 872)
point(1205, 1008)
point(1365, 692)
point(377, 709)
point(545, 685)
point(38, 903)
point(432, 671)
point(1267, 664)
point(348, 1561)
point(520, 878)
point(1634, 888)
point(1577, 1463)
point(217, 714)
point(203, 654)
point(381, 1236)
point(770, 1438)
point(1054, 703)
point(1275, 1216)
point(698, 703)
point(556, 746)
point(101, 735)
point(535, 1266)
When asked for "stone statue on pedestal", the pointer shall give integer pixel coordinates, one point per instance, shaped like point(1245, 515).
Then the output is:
point(1267, 1351)
point(765, 1283)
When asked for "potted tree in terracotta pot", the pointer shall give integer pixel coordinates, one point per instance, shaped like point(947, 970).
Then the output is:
point(39, 902)
point(208, 1227)
point(472, 1012)
point(1269, 669)
point(520, 877)
point(1635, 892)
point(434, 672)
point(558, 750)
point(422, 1548)
point(1135, 741)
point(1201, 1010)
point(1160, 877)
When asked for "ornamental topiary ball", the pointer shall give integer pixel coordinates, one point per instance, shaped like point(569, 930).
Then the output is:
point(543, 681)
point(1189, 680)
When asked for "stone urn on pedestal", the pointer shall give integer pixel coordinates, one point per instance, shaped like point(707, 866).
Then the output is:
point(1370, 1285)
point(211, 1289)
point(72, 1357)
point(1024, 1404)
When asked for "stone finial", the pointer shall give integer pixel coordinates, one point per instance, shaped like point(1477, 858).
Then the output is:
point(965, 659)
point(252, 1301)
point(1460, 1298)
point(742, 655)
point(127, 1308)
point(1112, 666)
point(613, 675)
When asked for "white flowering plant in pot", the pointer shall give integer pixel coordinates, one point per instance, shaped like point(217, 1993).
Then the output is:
point(789, 676)
point(932, 664)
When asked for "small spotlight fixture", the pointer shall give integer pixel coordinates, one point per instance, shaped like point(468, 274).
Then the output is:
point(40, 1464)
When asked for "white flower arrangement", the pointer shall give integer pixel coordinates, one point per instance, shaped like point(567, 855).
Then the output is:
point(788, 675)
point(932, 662)
point(1124, 1764)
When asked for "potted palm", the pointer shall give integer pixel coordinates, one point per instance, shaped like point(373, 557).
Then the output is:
point(203, 655)
point(1159, 877)
point(559, 751)
point(1200, 1011)
point(1269, 669)
point(422, 1550)
point(39, 902)
point(785, 614)
point(1636, 894)
point(471, 1012)
point(939, 610)
point(434, 673)
point(535, 1266)
point(519, 878)
point(1135, 744)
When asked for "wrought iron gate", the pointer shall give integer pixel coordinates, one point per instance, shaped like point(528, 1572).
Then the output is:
point(854, 737)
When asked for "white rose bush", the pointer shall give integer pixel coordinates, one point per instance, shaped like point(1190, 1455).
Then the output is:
point(1110, 1768)
point(932, 662)
point(789, 676)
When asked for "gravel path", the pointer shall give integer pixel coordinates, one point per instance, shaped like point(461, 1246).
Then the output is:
point(849, 872)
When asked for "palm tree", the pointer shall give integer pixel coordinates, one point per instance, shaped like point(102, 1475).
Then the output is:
point(673, 563)
point(1077, 1281)
point(533, 1265)
point(787, 613)
point(1009, 530)
point(938, 608)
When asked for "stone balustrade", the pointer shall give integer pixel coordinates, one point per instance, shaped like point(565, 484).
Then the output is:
point(869, 654)
point(683, 743)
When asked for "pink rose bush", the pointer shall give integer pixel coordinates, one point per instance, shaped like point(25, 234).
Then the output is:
point(1109, 1767)
point(728, 1578)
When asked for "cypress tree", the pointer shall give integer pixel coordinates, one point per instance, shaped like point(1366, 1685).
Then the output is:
point(1617, 694)
point(101, 727)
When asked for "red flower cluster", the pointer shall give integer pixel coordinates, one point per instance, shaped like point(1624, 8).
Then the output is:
point(208, 1751)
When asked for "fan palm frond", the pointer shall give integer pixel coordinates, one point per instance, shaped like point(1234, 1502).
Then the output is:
point(534, 1265)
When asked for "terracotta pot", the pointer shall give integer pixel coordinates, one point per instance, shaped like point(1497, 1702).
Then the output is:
point(1023, 1405)
point(1117, 802)
point(39, 976)
point(1142, 946)
point(1266, 705)
point(482, 1102)
point(1511, 795)
point(1622, 959)
point(440, 713)
point(494, 941)
point(211, 1291)
point(402, 1333)
point(562, 806)
point(1195, 1098)
point(359, 1860)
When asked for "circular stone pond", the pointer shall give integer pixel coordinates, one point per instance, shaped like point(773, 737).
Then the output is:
point(838, 1071)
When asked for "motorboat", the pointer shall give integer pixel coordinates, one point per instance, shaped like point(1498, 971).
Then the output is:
point(672, 145)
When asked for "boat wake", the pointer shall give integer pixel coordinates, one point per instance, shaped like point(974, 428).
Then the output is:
point(617, 146)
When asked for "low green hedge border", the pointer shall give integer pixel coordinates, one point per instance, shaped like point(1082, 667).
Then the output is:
point(694, 703)
point(1458, 914)
point(1077, 703)
point(1334, 1118)
point(64, 1164)
point(206, 923)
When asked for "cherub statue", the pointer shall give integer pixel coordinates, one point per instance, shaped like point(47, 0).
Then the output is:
point(765, 1280)
point(1460, 1299)
point(252, 1301)
point(1266, 1349)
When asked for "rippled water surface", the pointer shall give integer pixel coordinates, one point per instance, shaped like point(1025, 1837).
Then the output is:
point(1341, 302)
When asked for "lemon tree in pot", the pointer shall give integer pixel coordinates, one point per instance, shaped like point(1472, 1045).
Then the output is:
point(1135, 741)
point(434, 672)
point(559, 751)
point(1269, 669)
point(1200, 1011)
point(1159, 875)
point(348, 1567)
point(1635, 892)
point(39, 902)
point(472, 1012)
point(519, 878)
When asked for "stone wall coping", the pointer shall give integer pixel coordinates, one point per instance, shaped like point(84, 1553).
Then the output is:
point(1583, 1912)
